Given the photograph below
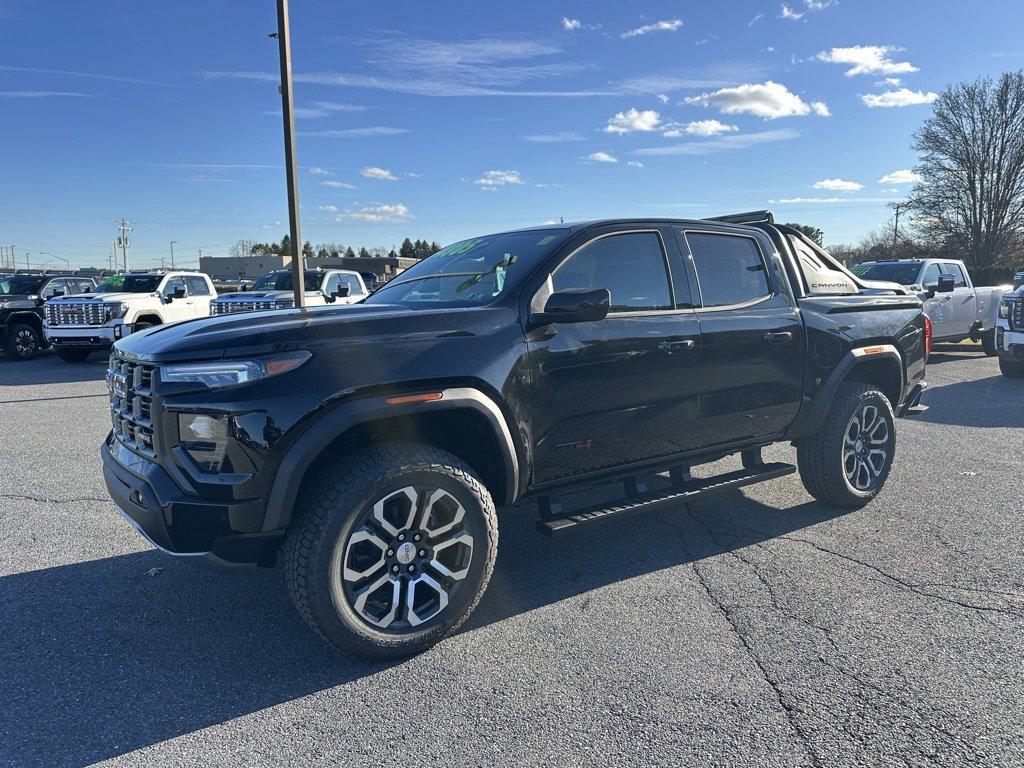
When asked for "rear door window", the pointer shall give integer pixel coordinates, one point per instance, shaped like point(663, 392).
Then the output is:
point(730, 269)
point(197, 286)
point(931, 276)
point(957, 271)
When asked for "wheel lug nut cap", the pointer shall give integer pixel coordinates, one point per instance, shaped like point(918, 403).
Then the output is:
point(412, 568)
point(394, 568)
point(423, 553)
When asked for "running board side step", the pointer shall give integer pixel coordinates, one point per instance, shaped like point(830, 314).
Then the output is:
point(653, 500)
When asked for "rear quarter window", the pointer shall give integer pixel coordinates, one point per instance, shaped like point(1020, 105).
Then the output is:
point(730, 269)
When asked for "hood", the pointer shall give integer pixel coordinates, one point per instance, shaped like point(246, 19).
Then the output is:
point(372, 326)
point(883, 285)
point(103, 297)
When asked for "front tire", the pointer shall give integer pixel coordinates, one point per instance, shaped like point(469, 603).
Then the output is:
point(391, 550)
point(848, 461)
point(73, 355)
point(23, 342)
point(1011, 368)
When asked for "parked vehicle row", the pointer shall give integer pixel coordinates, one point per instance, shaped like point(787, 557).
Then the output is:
point(366, 449)
point(77, 317)
point(958, 309)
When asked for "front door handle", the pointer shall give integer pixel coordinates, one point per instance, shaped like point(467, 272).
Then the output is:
point(778, 337)
point(676, 346)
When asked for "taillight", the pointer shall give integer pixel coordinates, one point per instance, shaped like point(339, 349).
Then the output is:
point(927, 336)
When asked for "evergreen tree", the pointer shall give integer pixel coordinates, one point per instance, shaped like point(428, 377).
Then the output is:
point(408, 250)
point(285, 249)
point(435, 247)
point(307, 249)
point(392, 254)
point(363, 253)
point(349, 253)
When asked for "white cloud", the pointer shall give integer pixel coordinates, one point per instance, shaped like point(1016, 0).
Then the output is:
point(721, 143)
point(662, 97)
point(820, 108)
point(328, 208)
point(635, 164)
point(902, 97)
point(602, 157)
point(903, 176)
point(374, 214)
point(786, 12)
point(704, 128)
point(317, 171)
point(494, 179)
point(769, 100)
point(337, 185)
point(553, 138)
point(867, 60)
point(570, 24)
point(632, 120)
point(757, 17)
point(383, 174)
point(838, 185)
point(666, 25)
point(44, 95)
point(356, 133)
point(890, 81)
point(820, 5)
point(827, 200)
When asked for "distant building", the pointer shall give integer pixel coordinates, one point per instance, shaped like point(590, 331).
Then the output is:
point(246, 267)
point(383, 268)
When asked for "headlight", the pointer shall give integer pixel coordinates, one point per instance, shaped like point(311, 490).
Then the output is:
point(229, 373)
point(116, 310)
point(1004, 309)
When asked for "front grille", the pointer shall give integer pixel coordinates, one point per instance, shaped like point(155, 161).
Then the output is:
point(230, 307)
point(131, 404)
point(1017, 314)
point(75, 313)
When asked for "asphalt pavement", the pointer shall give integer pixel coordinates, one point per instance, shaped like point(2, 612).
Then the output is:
point(757, 628)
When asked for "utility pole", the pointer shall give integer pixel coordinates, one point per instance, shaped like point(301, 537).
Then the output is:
point(896, 227)
point(122, 240)
point(172, 253)
point(284, 45)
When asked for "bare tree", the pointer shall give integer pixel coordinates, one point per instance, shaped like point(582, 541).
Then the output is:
point(241, 248)
point(971, 195)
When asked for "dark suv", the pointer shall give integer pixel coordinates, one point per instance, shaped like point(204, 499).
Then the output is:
point(21, 315)
point(366, 448)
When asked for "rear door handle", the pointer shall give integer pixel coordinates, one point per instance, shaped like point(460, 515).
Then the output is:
point(778, 337)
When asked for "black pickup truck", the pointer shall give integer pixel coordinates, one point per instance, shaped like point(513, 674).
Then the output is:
point(367, 448)
point(21, 309)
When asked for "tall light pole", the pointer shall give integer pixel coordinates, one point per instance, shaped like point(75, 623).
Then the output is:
point(291, 167)
point(59, 258)
point(172, 253)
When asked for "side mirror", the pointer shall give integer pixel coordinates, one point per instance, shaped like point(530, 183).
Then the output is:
point(244, 287)
point(575, 305)
point(946, 284)
point(343, 291)
point(57, 293)
point(177, 293)
point(88, 289)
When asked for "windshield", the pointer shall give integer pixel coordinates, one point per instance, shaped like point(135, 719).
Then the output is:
point(141, 283)
point(113, 284)
point(904, 273)
point(282, 281)
point(23, 285)
point(471, 272)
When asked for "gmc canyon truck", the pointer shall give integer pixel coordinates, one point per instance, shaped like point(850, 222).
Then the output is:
point(78, 325)
point(274, 291)
point(367, 448)
point(957, 308)
point(22, 297)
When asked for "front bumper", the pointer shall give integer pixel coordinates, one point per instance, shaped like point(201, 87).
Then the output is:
point(146, 495)
point(1009, 343)
point(85, 336)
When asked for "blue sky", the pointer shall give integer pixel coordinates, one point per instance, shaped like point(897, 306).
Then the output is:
point(444, 120)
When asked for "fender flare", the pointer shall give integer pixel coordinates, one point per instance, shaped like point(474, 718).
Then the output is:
point(312, 442)
point(28, 316)
point(816, 407)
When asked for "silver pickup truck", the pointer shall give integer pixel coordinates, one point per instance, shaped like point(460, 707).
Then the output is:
point(957, 307)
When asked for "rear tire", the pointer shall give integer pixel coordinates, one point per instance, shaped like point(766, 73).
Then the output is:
point(847, 462)
point(1011, 368)
point(391, 549)
point(988, 343)
point(23, 342)
point(73, 355)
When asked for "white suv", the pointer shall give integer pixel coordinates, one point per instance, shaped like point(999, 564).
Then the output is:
point(77, 325)
point(275, 291)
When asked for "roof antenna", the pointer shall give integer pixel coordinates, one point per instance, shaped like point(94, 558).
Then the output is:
point(561, 219)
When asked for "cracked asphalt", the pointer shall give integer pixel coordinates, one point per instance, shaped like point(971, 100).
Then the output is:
point(757, 628)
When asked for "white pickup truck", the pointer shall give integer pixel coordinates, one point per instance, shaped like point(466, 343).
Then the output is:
point(80, 324)
point(957, 308)
point(275, 291)
point(1010, 334)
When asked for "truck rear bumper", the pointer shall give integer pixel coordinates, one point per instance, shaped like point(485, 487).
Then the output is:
point(149, 502)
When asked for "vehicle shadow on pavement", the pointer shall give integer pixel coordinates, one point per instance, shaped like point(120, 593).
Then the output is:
point(101, 658)
point(995, 401)
point(104, 657)
point(50, 369)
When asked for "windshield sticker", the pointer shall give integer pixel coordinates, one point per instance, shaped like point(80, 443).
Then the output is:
point(545, 240)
